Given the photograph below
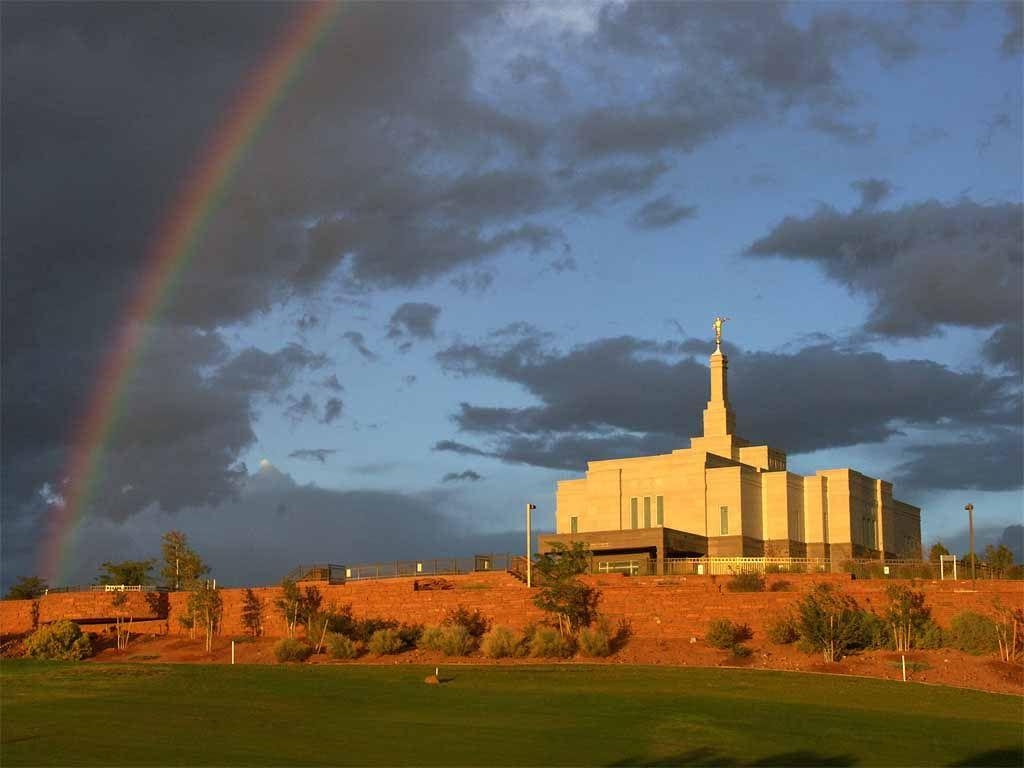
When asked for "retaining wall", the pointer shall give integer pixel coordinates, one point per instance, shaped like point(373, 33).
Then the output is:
point(670, 607)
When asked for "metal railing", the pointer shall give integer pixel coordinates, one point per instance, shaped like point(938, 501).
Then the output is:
point(731, 566)
point(391, 569)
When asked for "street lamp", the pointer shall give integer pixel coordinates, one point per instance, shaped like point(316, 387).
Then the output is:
point(529, 559)
point(970, 522)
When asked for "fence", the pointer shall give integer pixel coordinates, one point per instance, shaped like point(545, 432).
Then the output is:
point(727, 566)
point(106, 588)
point(446, 566)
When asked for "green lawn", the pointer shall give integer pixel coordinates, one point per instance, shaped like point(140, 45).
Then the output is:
point(106, 714)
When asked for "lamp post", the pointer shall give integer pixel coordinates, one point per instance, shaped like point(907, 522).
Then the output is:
point(970, 523)
point(529, 559)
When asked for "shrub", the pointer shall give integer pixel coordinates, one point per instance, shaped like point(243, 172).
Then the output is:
point(364, 630)
point(502, 643)
point(549, 643)
point(386, 642)
point(780, 586)
point(722, 633)
point(595, 642)
point(829, 622)
point(341, 647)
point(474, 621)
point(61, 640)
point(930, 637)
point(871, 632)
point(741, 651)
point(451, 640)
point(973, 633)
point(783, 630)
point(746, 582)
point(410, 634)
point(290, 649)
point(340, 621)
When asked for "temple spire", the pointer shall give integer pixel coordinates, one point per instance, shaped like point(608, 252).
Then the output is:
point(719, 419)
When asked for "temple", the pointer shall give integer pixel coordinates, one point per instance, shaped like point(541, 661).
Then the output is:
point(725, 497)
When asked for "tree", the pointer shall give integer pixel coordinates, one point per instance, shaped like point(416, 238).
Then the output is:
point(289, 604)
point(999, 559)
point(27, 588)
point(123, 624)
point(938, 549)
point(906, 615)
point(204, 608)
point(252, 613)
point(130, 572)
point(573, 602)
point(182, 565)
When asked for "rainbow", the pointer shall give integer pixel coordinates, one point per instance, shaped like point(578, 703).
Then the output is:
point(198, 199)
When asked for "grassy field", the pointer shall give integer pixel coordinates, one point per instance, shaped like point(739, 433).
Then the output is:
point(92, 714)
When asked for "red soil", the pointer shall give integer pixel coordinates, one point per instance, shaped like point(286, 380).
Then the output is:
point(943, 667)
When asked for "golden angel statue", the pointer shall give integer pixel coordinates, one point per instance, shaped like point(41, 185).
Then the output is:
point(717, 325)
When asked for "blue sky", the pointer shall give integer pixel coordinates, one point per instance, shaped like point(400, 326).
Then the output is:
point(504, 230)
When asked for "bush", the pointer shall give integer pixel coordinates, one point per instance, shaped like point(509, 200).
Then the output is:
point(474, 621)
point(722, 633)
point(410, 634)
point(61, 640)
point(931, 636)
point(871, 633)
point(973, 632)
point(780, 586)
point(364, 630)
point(741, 651)
point(386, 642)
point(290, 649)
point(340, 621)
point(548, 643)
point(502, 643)
point(830, 622)
point(595, 642)
point(746, 582)
point(341, 647)
point(451, 640)
point(783, 630)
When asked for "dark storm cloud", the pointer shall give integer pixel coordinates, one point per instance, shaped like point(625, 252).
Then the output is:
point(468, 475)
point(846, 131)
point(922, 265)
point(478, 281)
point(1000, 122)
point(332, 410)
point(994, 462)
point(301, 408)
point(1013, 40)
point(307, 323)
point(526, 69)
point(718, 67)
point(184, 420)
point(416, 320)
point(358, 342)
point(313, 454)
point(872, 191)
point(287, 523)
point(382, 166)
point(626, 396)
point(662, 212)
point(332, 383)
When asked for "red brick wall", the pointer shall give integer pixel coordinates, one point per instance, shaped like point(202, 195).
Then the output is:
point(674, 607)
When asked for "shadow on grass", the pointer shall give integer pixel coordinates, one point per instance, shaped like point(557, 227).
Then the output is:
point(1009, 756)
point(712, 757)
